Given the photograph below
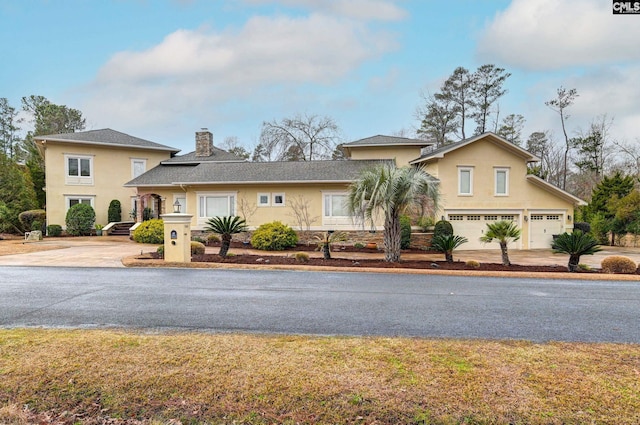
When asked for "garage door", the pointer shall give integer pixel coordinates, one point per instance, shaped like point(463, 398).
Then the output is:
point(473, 226)
point(542, 227)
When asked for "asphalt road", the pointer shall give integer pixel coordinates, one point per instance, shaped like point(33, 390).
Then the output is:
point(320, 303)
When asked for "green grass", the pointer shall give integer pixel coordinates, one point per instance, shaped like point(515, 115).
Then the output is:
point(216, 379)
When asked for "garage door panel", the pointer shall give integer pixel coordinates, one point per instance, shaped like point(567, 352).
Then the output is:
point(474, 226)
point(542, 227)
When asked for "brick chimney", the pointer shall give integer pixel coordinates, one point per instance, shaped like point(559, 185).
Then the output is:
point(204, 142)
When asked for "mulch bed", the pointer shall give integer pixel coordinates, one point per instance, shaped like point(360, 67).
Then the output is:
point(373, 263)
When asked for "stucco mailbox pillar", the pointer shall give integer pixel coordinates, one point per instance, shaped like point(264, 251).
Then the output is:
point(177, 237)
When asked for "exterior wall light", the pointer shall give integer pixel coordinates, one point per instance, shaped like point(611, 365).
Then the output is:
point(176, 207)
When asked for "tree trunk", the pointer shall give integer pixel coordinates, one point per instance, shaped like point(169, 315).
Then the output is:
point(505, 254)
point(326, 252)
point(392, 237)
point(574, 261)
point(448, 255)
point(224, 245)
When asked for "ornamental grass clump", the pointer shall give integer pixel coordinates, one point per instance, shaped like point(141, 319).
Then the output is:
point(618, 264)
point(301, 257)
point(197, 248)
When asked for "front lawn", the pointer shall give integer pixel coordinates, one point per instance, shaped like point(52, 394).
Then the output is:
point(119, 377)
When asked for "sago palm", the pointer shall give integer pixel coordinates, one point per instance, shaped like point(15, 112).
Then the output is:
point(575, 244)
point(226, 227)
point(390, 190)
point(325, 240)
point(504, 232)
point(447, 244)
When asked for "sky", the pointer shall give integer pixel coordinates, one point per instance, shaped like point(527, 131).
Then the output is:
point(161, 70)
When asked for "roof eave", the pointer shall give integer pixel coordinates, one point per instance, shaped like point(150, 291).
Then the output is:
point(548, 186)
point(156, 148)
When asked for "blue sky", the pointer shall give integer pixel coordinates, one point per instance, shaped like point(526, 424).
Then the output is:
point(161, 70)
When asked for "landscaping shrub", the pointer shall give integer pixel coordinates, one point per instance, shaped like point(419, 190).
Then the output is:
point(54, 230)
point(358, 245)
point(274, 236)
point(405, 232)
point(581, 225)
point(114, 213)
point(472, 263)
point(160, 251)
point(37, 225)
point(147, 214)
point(442, 227)
point(302, 257)
point(213, 238)
point(198, 239)
point(80, 219)
point(197, 248)
point(27, 218)
point(150, 231)
point(618, 264)
point(426, 223)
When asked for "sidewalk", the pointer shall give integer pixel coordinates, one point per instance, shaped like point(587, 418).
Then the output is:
point(109, 252)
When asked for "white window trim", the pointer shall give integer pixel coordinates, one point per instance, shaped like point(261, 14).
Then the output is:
point(336, 221)
point(68, 198)
point(273, 199)
point(133, 161)
point(268, 203)
point(497, 170)
point(78, 180)
point(460, 170)
point(199, 195)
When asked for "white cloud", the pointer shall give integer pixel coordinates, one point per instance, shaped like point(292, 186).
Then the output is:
point(382, 10)
point(552, 34)
point(195, 73)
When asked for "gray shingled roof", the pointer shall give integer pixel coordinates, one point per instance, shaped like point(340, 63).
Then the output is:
point(380, 140)
point(253, 172)
point(218, 155)
point(106, 136)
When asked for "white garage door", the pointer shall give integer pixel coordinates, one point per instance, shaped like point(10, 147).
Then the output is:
point(473, 226)
point(542, 227)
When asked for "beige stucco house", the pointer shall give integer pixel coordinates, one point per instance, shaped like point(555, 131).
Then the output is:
point(91, 167)
point(482, 179)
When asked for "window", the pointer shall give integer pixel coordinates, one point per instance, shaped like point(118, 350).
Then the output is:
point(536, 217)
point(491, 218)
point(335, 205)
point(138, 166)
point(508, 217)
point(553, 217)
point(277, 199)
point(75, 200)
point(263, 199)
point(473, 218)
point(79, 169)
point(502, 181)
point(465, 181)
point(216, 205)
point(456, 217)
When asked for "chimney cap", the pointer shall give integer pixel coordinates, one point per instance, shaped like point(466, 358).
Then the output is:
point(204, 129)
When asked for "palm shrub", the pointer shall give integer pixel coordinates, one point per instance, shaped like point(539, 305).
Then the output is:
point(503, 232)
point(447, 244)
point(325, 240)
point(114, 213)
point(80, 219)
point(226, 227)
point(274, 236)
point(391, 190)
point(150, 231)
point(575, 244)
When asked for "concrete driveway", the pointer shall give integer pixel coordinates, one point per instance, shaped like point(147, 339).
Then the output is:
point(109, 252)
